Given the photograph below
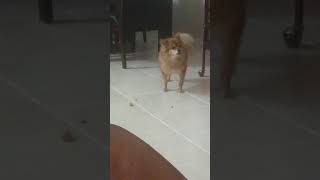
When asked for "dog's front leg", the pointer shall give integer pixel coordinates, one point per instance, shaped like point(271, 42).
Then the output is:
point(182, 75)
point(165, 81)
point(169, 77)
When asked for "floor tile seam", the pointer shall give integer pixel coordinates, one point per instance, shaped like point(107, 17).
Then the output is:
point(161, 121)
point(24, 93)
point(191, 95)
point(298, 125)
point(137, 95)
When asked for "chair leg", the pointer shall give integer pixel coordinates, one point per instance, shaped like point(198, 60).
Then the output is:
point(121, 35)
point(202, 71)
point(205, 44)
point(122, 48)
point(205, 38)
point(123, 56)
point(159, 38)
point(298, 20)
point(45, 11)
point(144, 33)
point(293, 35)
point(132, 41)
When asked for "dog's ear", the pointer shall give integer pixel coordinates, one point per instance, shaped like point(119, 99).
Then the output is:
point(164, 42)
point(178, 36)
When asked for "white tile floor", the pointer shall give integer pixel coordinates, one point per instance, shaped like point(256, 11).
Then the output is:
point(176, 125)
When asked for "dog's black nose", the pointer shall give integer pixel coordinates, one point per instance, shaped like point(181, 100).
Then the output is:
point(178, 51)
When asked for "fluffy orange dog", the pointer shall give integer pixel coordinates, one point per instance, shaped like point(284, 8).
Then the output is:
point(173, 57)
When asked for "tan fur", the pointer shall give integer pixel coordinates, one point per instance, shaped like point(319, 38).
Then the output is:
point(174, 63)
point(228, 22)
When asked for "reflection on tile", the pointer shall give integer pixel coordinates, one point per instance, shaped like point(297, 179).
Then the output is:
point(34, 147)
point(270, 130)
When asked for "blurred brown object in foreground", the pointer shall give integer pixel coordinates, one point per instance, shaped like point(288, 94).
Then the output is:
point(131, 158)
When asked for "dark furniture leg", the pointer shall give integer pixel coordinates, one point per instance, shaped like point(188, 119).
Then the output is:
point(159, 38)
point(202, 71)
point(205, 44)
point(144, 33)
point(205, 38)
point(45, 11)
point(204, 48)
point(121, 36)
point(132, 41)
point(122, 49)
point(293, 35)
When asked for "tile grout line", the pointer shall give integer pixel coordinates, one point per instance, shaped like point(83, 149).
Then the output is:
point(46, 108)
point(137, 95)
point(142, 93)
point(156, 92)
point(191, 95)
point(297, 125)
point(203, 101)
point(161, 121)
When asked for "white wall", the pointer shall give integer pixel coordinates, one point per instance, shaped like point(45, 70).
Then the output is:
point(188, 17)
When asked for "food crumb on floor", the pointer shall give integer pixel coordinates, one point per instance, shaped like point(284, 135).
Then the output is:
point(68, 136)
point(131, 104)
point(84, 121)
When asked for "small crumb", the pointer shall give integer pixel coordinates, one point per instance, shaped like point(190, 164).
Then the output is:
point(84, 121)
point(131, 104)
point(68, 136)
point(171, 106)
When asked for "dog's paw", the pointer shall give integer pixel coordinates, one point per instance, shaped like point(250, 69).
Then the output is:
point(181, 91)
point(165, 90)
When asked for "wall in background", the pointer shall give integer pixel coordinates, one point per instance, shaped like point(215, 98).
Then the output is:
point(188, 17)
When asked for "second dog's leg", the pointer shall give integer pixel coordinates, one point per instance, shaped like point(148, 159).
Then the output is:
point(182, 75)
point(230, 50)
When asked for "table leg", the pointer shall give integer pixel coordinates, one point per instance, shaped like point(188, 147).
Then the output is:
point(293, 35)
point(45, 11)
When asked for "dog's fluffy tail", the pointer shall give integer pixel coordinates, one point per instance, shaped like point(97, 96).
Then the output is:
point(187, 41)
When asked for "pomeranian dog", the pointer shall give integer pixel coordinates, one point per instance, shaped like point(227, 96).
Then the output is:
point(173, 57)
point(228, 21)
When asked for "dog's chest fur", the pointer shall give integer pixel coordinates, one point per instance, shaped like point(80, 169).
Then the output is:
point(171, 64)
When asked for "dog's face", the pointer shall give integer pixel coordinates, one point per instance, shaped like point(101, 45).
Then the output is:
point(173, 46)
